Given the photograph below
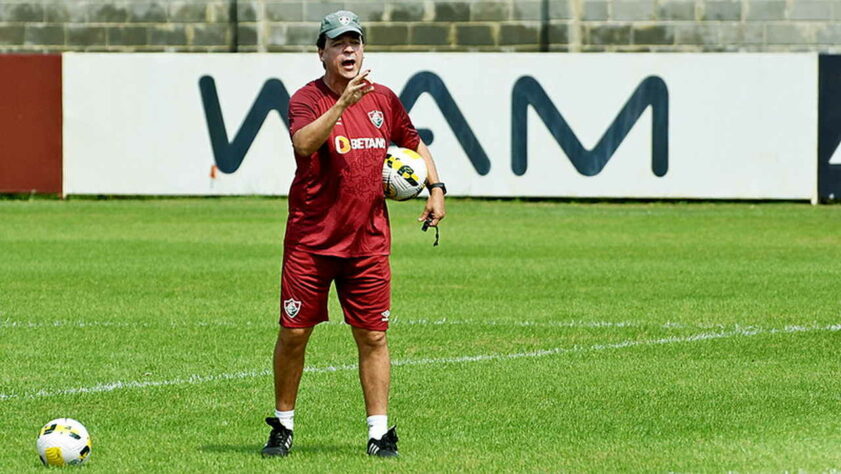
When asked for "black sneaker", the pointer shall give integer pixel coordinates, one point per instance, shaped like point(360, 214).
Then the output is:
point(280, 439)
point(385, 447)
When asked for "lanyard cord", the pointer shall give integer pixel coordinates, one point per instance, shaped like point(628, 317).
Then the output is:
point(426, 227)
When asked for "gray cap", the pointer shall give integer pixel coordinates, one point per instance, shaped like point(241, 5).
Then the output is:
point(340, 22)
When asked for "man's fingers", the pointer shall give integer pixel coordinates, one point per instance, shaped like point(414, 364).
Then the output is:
point(360, 77)
point(362, 88)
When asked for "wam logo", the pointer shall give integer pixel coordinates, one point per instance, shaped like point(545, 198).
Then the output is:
point(527, 92)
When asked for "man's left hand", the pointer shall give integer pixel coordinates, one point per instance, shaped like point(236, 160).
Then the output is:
point(434, 208)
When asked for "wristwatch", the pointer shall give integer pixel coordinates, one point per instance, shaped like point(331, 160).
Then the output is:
point(437, 185)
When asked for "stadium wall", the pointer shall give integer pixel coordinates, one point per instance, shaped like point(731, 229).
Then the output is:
point(754, 126)
point(424, 25)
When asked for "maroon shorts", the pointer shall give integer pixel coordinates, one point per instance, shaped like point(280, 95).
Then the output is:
point(363, 285)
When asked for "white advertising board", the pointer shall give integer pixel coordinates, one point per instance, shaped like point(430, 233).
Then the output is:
point(729, 126)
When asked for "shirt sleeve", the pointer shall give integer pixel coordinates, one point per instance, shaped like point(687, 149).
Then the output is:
point(403, 132)
point(301, 110)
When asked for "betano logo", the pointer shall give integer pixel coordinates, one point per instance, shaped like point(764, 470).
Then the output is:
point(651, 92)
point(344, 144)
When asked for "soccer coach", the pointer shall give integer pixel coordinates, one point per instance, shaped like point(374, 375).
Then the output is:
point(338, 230)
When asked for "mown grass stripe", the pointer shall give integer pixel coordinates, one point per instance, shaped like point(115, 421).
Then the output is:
point(200, 379)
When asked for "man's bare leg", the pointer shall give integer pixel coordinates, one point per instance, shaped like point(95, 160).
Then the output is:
point(289, 365)
point(374, 369)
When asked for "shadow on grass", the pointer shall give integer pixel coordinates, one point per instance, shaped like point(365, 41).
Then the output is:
point(254, 449)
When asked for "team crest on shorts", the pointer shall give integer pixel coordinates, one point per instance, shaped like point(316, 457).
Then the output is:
point(385, 314)
point(376, 118)
point(291, 307)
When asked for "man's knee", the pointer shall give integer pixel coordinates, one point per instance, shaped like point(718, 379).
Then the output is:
point(293, 339)
point(369, 339)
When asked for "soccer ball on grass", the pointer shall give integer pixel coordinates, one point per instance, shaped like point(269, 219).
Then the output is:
point(63, 441)
point(404, 174)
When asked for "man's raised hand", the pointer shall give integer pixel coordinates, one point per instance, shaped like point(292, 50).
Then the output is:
point(356, 89)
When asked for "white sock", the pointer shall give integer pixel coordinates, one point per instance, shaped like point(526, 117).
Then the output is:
point(377, 426)
point(287, 418)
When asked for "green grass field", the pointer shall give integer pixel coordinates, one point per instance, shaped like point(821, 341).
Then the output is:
point(538, 337)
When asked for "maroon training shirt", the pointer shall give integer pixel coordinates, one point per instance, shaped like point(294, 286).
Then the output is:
point(336, 202)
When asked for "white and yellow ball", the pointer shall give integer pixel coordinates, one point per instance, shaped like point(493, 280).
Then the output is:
point(404, 174)
point(62, 442)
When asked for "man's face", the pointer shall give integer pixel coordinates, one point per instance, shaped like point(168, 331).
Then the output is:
point(343, 55)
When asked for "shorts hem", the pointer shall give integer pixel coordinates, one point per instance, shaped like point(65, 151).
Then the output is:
point(359, 326)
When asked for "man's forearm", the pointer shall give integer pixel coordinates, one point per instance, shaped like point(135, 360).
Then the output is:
point(310, 138)
point(431, 171)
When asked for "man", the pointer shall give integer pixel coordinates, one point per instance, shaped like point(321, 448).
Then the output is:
point(338, 229)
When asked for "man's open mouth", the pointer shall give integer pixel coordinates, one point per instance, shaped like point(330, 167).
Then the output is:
point(348, 64)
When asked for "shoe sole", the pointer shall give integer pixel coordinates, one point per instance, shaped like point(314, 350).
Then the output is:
point(268, 454)
point(384, 455)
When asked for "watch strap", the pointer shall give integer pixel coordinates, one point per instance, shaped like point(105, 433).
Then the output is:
point(438, 185)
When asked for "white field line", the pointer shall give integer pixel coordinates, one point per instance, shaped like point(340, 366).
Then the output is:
point(201, 379)
point(63, 323)
point(12, 324)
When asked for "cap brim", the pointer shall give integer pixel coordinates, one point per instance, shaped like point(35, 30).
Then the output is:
point(342, 30)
